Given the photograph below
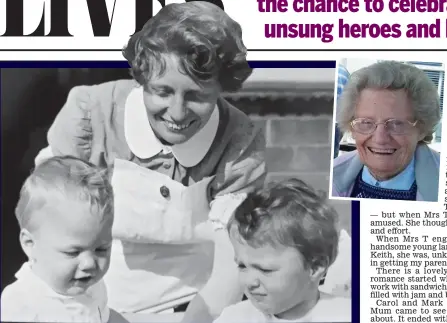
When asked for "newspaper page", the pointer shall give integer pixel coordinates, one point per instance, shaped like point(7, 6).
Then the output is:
point(403, 259)
point(223, 161)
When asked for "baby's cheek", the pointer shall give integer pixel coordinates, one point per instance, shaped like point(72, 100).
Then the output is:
point(70, 269)
point(279, 286)
point(63, 277)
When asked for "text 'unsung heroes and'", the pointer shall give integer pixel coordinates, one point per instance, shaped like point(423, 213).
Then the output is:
point(327, 32)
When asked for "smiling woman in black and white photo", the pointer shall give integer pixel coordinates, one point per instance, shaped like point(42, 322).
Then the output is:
point(183, 158)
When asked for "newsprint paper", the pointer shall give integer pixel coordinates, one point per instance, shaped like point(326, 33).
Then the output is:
point(223, 161)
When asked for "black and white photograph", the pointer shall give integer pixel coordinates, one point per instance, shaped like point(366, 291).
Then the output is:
point(387, 130)
point(188, 187)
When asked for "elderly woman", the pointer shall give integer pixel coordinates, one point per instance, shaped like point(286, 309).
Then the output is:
point(391, 109)
point(183, 159)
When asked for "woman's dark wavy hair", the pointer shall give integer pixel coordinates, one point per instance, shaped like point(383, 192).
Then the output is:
point(291, 214)
point(206, 40)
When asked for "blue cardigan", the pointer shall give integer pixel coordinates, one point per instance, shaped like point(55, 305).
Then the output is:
point(347, 167)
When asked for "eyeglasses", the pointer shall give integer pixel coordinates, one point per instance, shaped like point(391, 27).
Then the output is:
point(393, 126)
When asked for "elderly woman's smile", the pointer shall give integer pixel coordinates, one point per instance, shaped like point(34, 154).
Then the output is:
point(381, 151)
point(384, 152)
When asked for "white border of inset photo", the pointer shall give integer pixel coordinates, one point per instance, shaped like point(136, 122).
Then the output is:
point(436, 72)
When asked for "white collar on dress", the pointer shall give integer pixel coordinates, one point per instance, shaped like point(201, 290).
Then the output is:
point(144, 144)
